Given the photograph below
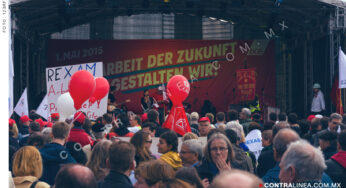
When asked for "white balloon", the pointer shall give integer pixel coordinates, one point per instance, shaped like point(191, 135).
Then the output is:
point(65, 105)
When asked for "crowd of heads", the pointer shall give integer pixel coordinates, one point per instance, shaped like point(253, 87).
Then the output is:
point(85, 153)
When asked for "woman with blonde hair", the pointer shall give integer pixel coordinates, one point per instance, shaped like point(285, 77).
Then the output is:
point(98, 158)
point(142, 142)
point(27, 168)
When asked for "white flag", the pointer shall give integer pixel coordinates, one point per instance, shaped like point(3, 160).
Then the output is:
point(342, 69)
point(22, 105)
point(42, 110)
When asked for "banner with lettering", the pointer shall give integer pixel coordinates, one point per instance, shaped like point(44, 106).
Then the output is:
point(209, 65)
point(246, 84)
point(57, 79)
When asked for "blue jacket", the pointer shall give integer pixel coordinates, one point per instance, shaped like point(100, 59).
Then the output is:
point(272, 176)
point(53, 156)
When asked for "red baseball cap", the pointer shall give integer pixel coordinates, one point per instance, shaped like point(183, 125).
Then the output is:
point(311, 117)
point(144, 117)
point(79, 117)
point(41, 122)
point(24, 119)
point(49, 124)
point(11, 122)
point(204, 119)
point(55, 116)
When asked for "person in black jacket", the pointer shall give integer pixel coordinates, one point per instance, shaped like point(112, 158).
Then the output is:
point(218, 157)
point(328, 143)
point(266, 159)
point(120, 165)
point(336, 165)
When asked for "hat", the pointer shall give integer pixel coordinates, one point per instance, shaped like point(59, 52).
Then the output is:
point(316, 86)
point(35, 126)
point(98, 127)
point(194, 116)
point(11, 122)
point(328, 135)
point(311, 117)
point(25, 119)
point(144, 117)
point(79, 117)
point(41, 122)
point(203, 119)
point(55, 116)
point(49, 124)
point(319, 116)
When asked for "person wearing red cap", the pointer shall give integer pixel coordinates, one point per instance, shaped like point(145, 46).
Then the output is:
point(77, 133)
point(13, 134)
point(24, 123)
point(204, 126)
point(55, 117)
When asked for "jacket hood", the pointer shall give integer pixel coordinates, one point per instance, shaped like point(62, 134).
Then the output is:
point(340, 158)
point(54, 152)
point(173, 159)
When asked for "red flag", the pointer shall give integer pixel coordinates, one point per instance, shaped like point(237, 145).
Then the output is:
point(335, 95)
point(246, 84)
point(177, 121)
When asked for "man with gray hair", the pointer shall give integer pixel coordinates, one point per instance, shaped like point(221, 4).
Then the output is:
point(191, 152)
point(334, 123)
point(282, 139)
point(245, 119)
point(301, 163)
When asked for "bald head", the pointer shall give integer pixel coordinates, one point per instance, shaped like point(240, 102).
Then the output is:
point(235, 179)
point(75, 175)
point(281, 141)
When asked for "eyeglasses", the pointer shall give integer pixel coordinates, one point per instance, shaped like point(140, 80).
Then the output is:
point(149, 141)
point(222, 149)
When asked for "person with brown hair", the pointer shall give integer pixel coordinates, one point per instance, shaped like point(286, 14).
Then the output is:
point(142, 142)
point(27, 168)
point(218, 156)
point(54, 154)
point(151, 173)
point(188, 136)
point(121, 161)
point(97, 162)
point(168, 146)
point(190, 176)
point(174, 183)
point(75, 176)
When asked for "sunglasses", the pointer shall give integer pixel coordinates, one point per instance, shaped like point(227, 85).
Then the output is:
point(149, 141)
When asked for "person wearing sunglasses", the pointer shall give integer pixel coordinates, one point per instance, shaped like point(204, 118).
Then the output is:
point(142, 142)
point(218, 157)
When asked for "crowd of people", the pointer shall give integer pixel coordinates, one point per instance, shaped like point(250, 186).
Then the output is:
point(92, 154)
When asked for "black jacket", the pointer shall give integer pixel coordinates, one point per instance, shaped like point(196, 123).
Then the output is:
point(336, 172)
point(116, 179)
point(204, 170)
point(266, 161)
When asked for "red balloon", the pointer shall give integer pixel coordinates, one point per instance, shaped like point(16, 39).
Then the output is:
point(81, 87)
point(178, 88)
point(101, 89)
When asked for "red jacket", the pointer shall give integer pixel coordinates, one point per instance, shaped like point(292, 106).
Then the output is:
point(80, 136)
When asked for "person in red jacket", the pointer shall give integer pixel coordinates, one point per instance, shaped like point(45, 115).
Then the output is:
point(77, 133)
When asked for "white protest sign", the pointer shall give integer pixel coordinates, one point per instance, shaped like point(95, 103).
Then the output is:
point(254, 142)
point(342, 69)
point(22, 105)
point(42, 110)
point(57, 79)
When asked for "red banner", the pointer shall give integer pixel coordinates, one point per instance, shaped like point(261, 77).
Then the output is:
point(335, 95)
point(177, 121)
point(209, 65)
point(246, 84)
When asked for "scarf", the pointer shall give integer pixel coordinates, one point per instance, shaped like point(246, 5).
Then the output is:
point(172, 158)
